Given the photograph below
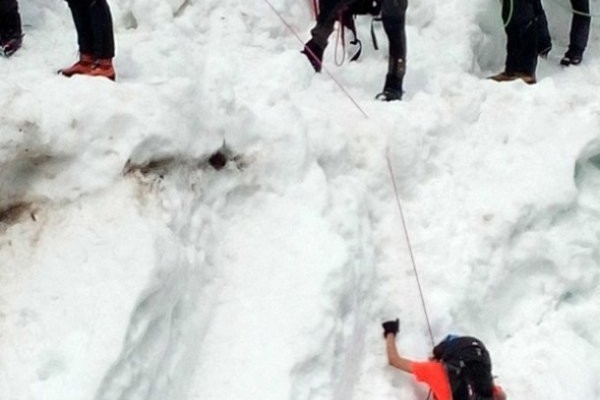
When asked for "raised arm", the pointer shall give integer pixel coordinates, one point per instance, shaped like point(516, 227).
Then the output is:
point(390, 329)
point(395, 359)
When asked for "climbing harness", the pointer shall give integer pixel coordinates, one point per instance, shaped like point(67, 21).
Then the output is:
point(410, 250)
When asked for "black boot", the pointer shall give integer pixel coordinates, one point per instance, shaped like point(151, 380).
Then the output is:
point(392, 90)
point(10, 42)
point(544, 48)
point(573, 56)
point(314, 53)
point(11, 36)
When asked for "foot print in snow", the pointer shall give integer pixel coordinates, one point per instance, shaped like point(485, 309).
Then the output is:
point(50, 368)
point(220, 159)
point(224, 157)
point(13, 213)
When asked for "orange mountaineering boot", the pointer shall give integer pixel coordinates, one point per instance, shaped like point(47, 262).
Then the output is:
point(83, 66)
point(103, 67)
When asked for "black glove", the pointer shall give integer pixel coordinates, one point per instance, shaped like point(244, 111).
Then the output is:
point(391, 327)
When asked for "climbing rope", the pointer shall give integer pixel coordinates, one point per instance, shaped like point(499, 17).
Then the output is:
point(392, 177)
point(340, 39)
point(410, 250)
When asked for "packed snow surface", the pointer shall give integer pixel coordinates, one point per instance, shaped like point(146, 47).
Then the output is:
point(132, 269)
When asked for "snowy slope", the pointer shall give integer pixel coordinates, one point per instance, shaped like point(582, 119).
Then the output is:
point(132, 269)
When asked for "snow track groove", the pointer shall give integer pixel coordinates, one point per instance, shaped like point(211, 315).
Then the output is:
point(165, 333)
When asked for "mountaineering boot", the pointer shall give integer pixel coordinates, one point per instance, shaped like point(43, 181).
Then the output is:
point(392, 90)
point(103, 67)
point(572, 57)
point(544, 49)
point(513, 76)
point(314, 53)
point(10, 42)
point(570, 60)
point(83, 66)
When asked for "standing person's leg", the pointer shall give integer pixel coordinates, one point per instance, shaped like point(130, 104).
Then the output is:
point(103, 39)
point(580, 31)
point(325, 21)
point(85, 38)
point(83, 25)
point(95, 37)
point(521, 41)
point(393, 17)
point(10, 20)
point(543, 34)
point(314, 48)
point(102, 29)
point(10, 27)
point(513, 42)
point(529, 50)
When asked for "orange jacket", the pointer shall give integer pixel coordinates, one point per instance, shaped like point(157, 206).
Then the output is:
point(434, 374)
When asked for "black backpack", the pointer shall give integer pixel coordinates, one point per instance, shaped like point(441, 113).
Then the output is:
point(468, 366)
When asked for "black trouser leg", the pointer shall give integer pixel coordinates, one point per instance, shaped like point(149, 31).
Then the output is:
point(321, 32)
point(580, 27)
point(101, 19)
point(10, 20)
point(521, 49)
point(393, 18)
point(93, 23)
point(7, 6)
point(543, 34)
point(521, 32)
point(83, 25)
point(328, 11)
